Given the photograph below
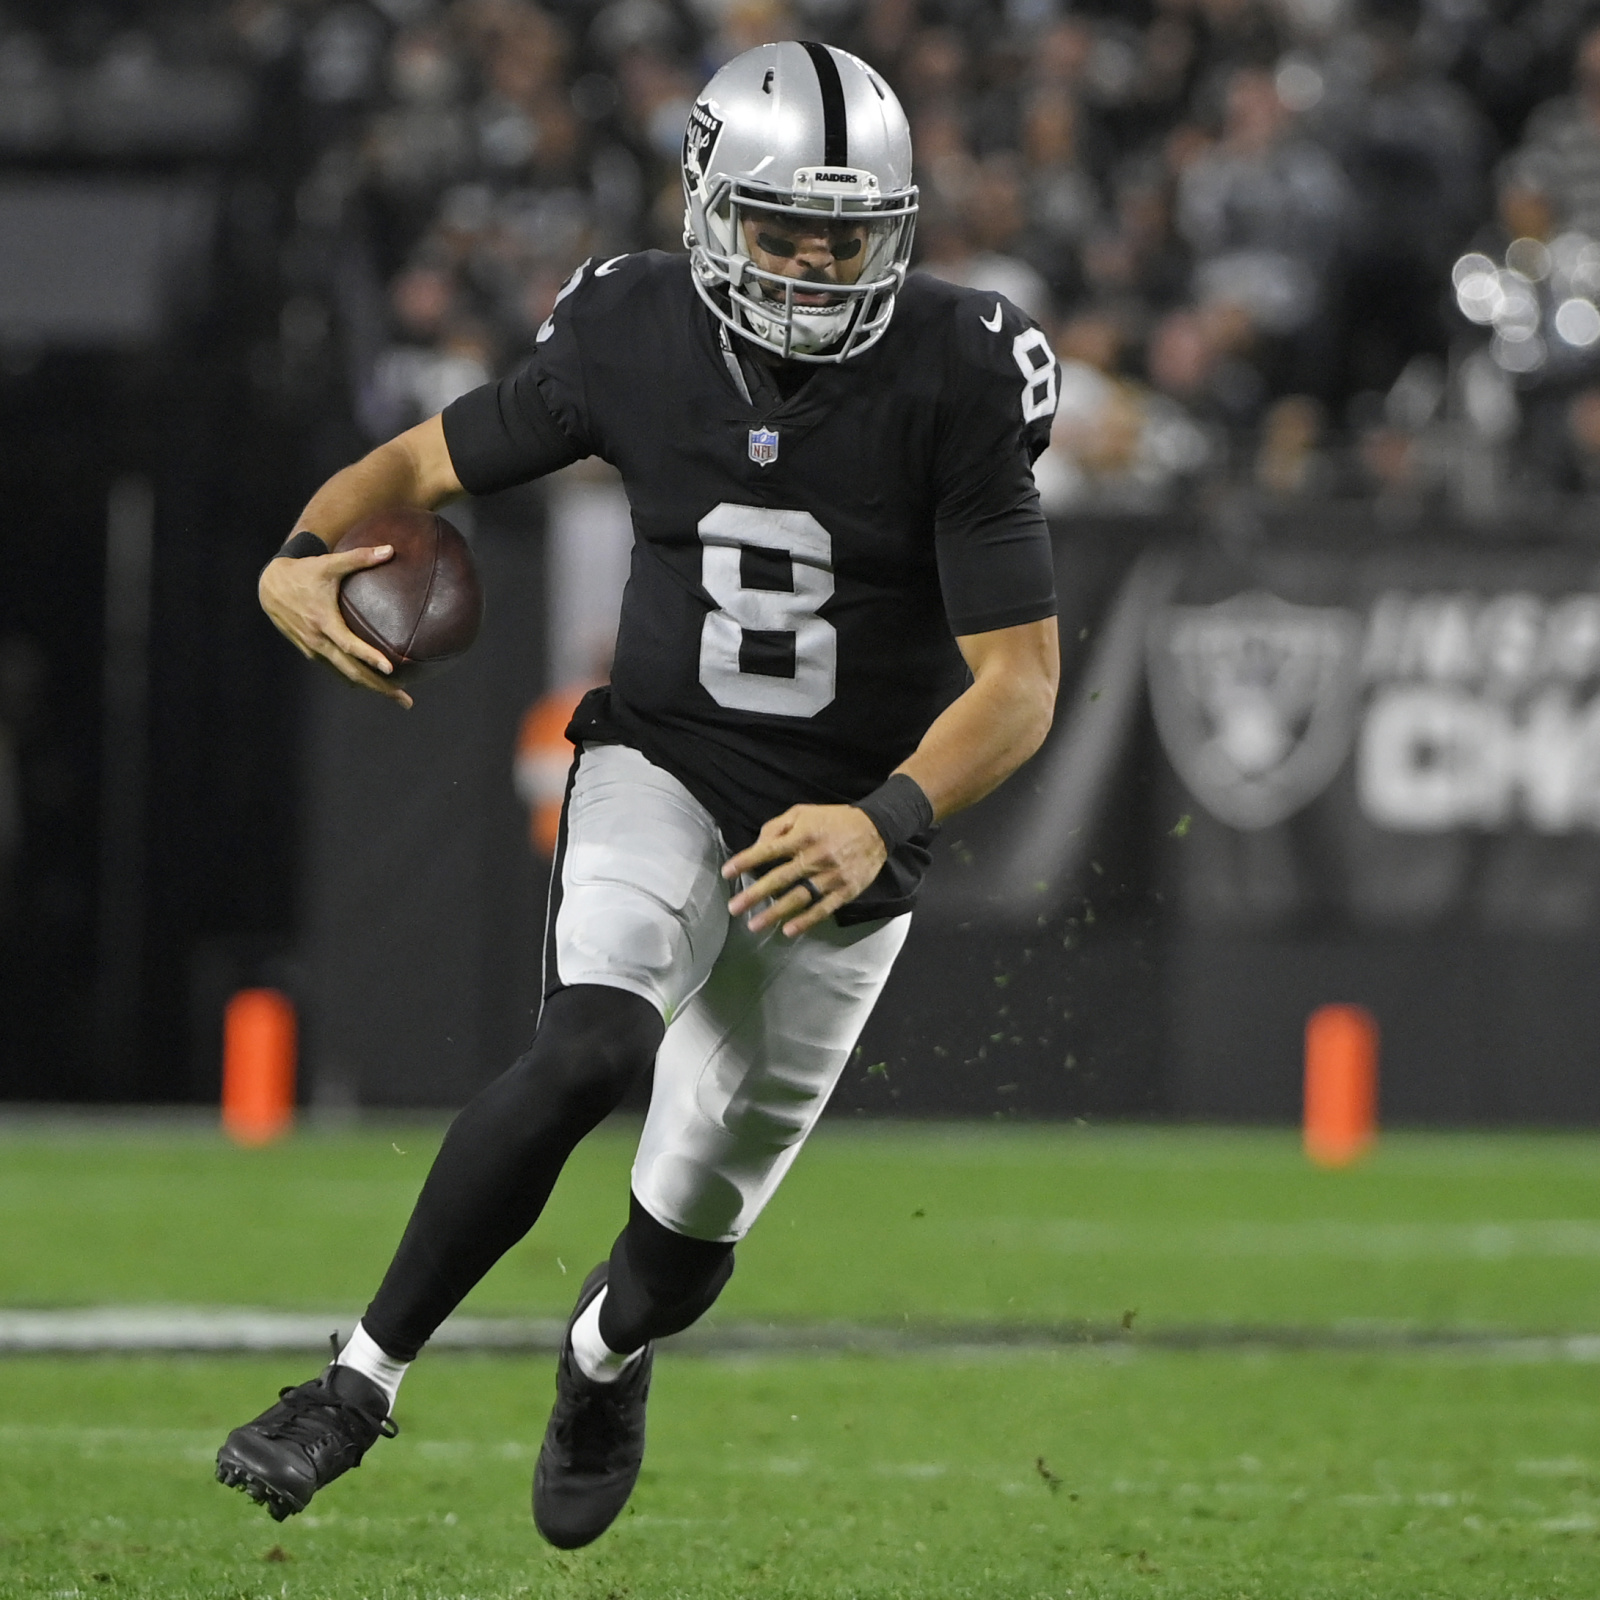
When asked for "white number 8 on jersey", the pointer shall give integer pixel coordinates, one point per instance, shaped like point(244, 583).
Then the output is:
point(1032, 354)
point(765, 648)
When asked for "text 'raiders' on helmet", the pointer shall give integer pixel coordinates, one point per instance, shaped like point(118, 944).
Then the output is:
point(796, 142)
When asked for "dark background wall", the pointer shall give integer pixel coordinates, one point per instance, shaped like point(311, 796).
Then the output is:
point(210, 805)
point(1475, 1029)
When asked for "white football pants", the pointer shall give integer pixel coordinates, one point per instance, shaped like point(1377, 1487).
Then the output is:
point(759, 1027)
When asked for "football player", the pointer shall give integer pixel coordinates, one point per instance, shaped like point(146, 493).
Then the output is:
point(838, 629)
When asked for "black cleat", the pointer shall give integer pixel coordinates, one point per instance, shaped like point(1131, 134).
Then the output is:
point(594, 1445)
point(317, 1431)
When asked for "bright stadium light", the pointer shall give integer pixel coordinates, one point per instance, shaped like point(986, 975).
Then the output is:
point(1578, 322)
point(1472, 265)
point(1478, 291)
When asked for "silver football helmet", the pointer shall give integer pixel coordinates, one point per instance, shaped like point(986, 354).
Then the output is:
point(795, 140)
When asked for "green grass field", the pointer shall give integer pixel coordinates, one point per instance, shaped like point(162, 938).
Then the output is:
point(1113, 1468)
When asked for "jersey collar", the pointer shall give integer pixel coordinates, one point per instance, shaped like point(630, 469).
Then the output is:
point(803, 409)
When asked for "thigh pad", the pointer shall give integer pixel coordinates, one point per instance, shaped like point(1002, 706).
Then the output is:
point(643, 906)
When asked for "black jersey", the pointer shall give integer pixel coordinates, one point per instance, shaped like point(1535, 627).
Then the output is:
point(801, 566)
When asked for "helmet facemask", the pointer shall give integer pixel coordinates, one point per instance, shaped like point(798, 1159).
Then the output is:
point(773, 309)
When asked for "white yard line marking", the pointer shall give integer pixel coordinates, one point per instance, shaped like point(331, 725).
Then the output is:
point(230, 1329)
point(239, 1330)
point(1559, 1239)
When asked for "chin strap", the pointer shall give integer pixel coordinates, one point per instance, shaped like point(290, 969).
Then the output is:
point(732, 360)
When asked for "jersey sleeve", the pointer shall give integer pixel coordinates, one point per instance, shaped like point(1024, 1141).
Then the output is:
point(534, 421)
point(504, 433)
point(996, 569)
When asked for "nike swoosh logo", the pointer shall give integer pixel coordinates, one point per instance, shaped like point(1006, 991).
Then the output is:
point(993, 327)
point(606, 268)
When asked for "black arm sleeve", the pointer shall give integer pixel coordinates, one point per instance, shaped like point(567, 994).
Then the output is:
point(996, 569)
point(504, 434)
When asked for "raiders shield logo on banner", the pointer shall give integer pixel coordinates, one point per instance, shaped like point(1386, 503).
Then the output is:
point(1255, 700)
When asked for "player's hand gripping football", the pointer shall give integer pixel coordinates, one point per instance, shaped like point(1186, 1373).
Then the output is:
point(302, 598)
point(835, 848)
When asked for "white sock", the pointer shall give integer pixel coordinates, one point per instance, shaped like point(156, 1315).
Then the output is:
point(597, 1361)
point(371, 1360)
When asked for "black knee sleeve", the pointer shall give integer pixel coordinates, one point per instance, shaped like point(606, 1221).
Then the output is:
point(592, 1043)
point(660, 1281)
point(503, 1154)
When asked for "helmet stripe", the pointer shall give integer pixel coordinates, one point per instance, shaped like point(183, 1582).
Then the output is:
point(835, 129)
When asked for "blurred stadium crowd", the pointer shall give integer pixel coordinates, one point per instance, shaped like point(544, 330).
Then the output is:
point(1310, 248)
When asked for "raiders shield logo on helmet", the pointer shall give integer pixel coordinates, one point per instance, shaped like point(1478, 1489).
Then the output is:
point(699, 139)
point(1255, 700)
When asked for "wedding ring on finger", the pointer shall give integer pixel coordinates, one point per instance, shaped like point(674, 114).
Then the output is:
point(811, 889)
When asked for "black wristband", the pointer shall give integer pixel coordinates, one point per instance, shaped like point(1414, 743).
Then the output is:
point(899, 809)
point(303, 543)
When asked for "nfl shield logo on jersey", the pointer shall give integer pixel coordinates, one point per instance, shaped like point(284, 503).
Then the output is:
point(763, 446)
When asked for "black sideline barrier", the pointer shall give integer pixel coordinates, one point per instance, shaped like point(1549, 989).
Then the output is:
point(1389, 755)
point(1299, 766)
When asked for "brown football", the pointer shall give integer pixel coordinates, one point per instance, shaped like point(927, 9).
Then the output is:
point(423, 606)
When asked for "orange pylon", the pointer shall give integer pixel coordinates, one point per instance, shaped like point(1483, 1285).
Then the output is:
point(258, 1066)
point(1341, 1105)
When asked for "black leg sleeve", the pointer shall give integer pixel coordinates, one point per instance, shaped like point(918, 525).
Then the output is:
point(502, 1155)
point(660, 1281)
